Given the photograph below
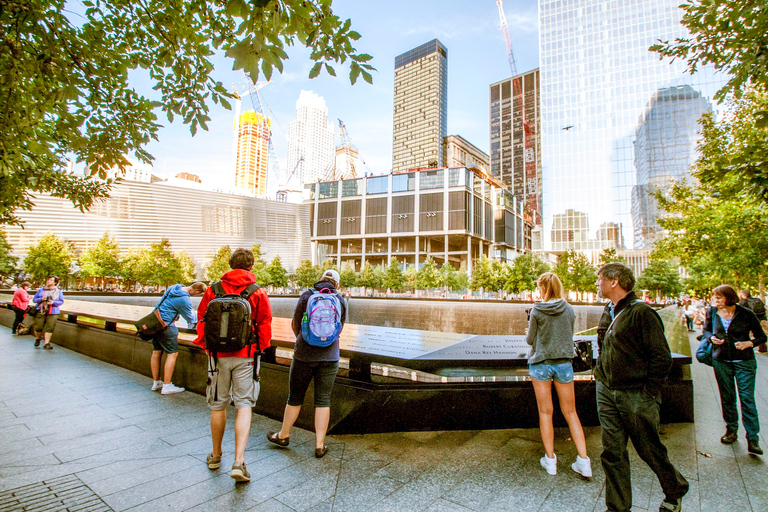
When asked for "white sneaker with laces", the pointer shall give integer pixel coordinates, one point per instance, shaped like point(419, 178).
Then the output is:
point(157, 385)
point(549, 464)
point(582, 467)
point(169, 389)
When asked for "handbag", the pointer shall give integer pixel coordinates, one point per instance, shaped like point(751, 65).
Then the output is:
point(31, 312)
point(582, 356)
point(704, 351)
point(149, 325)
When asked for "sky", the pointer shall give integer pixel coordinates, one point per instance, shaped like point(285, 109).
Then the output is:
point(476, 58)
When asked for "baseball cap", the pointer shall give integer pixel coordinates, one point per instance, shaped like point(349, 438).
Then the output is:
point(332, 274)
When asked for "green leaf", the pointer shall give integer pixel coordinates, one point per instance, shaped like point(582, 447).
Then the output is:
point(367, 77)
point(316, 70)
point(330, 70)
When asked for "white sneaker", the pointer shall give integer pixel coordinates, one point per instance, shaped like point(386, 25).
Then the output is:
point(549, 464)
point(157, 385)
point(169, 389)
point(582, 467)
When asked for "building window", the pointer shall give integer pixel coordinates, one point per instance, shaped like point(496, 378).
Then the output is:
point(377, 185)
point(430, 179)
point(328, 190)
point(352, 188)
point(376, 215)
point(404, 182)
point(454, 177)
point(402, 214)
point(326, 219)
point(350, 217)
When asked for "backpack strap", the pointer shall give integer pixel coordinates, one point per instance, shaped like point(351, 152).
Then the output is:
point(218, 289)
point(249, 290)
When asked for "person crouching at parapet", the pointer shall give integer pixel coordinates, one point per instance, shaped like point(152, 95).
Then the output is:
point(49, 299)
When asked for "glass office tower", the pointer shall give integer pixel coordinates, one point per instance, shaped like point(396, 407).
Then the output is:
point(599, 85)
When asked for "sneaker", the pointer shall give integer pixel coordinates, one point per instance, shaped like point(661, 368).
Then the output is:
point(48, 346)
point(157, 385)
point(214, 461)
point(671, 505)
point(169, 389)
point(730, 437)
point(753, 446)
point(37, 343)
point(239, 472)
point(549, 464)
point(582, 467)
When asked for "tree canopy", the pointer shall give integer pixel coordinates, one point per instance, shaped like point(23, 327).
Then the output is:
point(64, 78)
point(525, 272)
point(662, 278)
point(102, 259)
point(278, 276)
point(51, 255)
point(7, 261)
point(219, 265)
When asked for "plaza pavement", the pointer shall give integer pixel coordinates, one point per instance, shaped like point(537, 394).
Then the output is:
point(80, 434)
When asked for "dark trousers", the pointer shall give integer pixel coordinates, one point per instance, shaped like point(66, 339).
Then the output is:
point(633, 414)
point(302, 373)
point(741, 375)
point(19, 317)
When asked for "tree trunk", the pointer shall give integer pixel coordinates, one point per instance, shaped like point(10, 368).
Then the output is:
point(761, 286)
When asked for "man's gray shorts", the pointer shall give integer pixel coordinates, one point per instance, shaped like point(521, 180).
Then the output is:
point(232, 381)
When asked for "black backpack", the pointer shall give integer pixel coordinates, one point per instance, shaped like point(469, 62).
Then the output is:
point(757, 307)
point(228, 323)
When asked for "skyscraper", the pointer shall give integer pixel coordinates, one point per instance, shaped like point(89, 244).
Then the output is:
point(310, 137)
point(251, 153)
point(421, 107)
point(515, 145)
point(597, 79)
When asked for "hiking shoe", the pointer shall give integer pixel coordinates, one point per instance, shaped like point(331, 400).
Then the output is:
point(671, 505)
point(157, 385)
point(753, 446)
point(48, 346)
point(549, 464)
point(37, 342)
point(169, 389)
point(274, 437)
point(214, 461)
point(730, 437)
point(582, 467)
point(320, 452)
point(239, 472)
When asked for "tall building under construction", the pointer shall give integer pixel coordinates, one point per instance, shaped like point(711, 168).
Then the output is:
point(252, 153)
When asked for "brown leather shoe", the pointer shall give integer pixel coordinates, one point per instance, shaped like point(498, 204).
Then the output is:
point(274, 437)
point(753, 446)
point(730, 437)
point(320, 452)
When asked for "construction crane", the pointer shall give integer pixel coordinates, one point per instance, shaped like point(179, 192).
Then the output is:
point(282, 194)
point(529, 155)
point(346, 144)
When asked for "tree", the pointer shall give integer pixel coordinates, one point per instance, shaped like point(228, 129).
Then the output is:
point(348, 276)
point(483, 275)
point(65, 78)
point(449, 278)
point(525, 272)
point(732, 35)
point(462, 281)
point(278, 276)
point(102, 259)
point(610, 255)
point(187, 268)
point(410, 277)
point(429, 275)
point(165, 267)
point(662, 277)
point(576, 272)
point(306, 274)
point(259, 265)
point(368, 278)
point(50, 256)
point(136, 265)
point(393, 277)
point(219, 264)
point(329, 264)
point(7, 261)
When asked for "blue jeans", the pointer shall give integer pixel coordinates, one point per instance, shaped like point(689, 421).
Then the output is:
point(741, 375)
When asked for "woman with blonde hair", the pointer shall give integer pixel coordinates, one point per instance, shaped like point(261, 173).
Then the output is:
point(550, 334)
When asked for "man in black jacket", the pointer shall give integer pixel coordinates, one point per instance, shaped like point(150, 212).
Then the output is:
point(633, 364)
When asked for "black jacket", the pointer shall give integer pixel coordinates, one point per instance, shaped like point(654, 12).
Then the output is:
point(634, 352)
point(303, 351)
point(743, 322)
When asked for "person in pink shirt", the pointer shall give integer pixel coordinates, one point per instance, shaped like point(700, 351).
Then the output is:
point(19, 303)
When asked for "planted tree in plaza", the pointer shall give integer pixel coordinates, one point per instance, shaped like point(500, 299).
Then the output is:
point(219, 264)
point(187, 268)
point(369, 278)
point(348, 276)
point(7, 261)
point(278, 276)
point(576, 272)
point(524, 273)
point(51, 255)
point(306, 274)
point(393, 277)
point(101, 259)
point(259, 265)
point(65, 78)
point(410, 277)
point(482, 274)
point(449, 277)
point(429, 275)
point(462, 280)
point(610, 255)
point(329, 264)
point(136, 266)
point(662, 278)
point(165, 268)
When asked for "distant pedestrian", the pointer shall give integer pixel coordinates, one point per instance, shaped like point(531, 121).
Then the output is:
point(174, 303)
point(233, 376)
point(49, 299)
point(758, 308)
point(20, 303)
point(311, 362)
point(550, 334)
point(733, 331)
point(632, 367)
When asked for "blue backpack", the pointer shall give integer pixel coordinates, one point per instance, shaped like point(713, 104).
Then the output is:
point(321, 324)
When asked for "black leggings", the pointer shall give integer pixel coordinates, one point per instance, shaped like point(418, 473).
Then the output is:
point(19, 317)
point(324, 373)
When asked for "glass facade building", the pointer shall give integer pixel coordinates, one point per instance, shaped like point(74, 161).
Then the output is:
point(616, 119)
point(420, 107)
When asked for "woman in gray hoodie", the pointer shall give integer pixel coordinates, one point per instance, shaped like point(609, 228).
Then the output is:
point(550, 335)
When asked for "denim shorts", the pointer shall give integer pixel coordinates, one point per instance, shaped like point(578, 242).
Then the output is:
point(562, 373)
point(167, 340)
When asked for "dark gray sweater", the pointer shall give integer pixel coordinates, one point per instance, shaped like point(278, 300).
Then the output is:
point(550, 331)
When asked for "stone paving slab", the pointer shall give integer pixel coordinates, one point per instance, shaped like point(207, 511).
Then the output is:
point(111, 444)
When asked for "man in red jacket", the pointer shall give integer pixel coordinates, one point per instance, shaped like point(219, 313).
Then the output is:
point(232, 378)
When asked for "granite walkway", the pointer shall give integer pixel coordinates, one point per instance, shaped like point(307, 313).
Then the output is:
point(80, 434)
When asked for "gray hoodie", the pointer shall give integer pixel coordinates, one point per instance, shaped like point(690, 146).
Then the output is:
point(550, 331)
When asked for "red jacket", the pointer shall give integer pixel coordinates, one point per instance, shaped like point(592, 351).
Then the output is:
point(21, 298)
point(235, 281)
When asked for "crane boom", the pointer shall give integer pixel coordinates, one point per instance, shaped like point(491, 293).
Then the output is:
point(507, 40)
